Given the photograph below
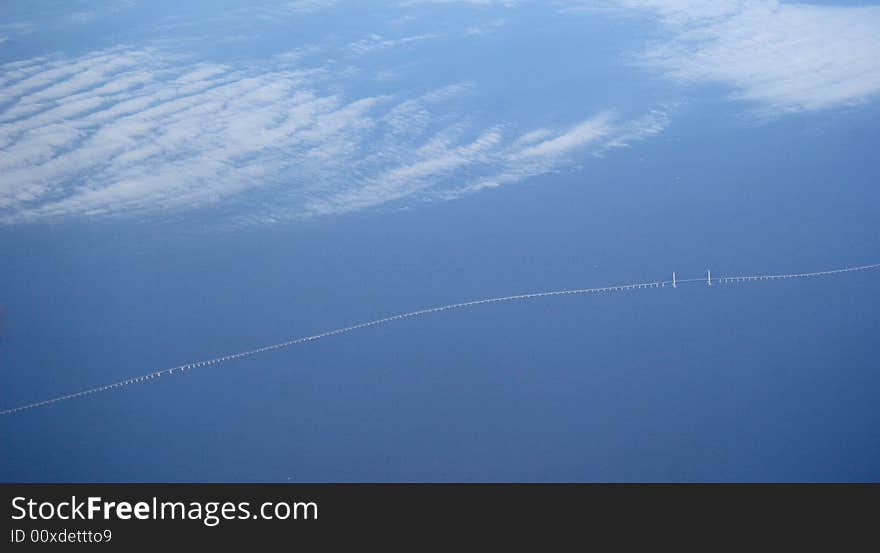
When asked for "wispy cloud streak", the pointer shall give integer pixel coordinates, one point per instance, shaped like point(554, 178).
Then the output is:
point(782, 57)
point(139, 131)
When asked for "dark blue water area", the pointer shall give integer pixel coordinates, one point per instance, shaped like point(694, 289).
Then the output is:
point(765, 381)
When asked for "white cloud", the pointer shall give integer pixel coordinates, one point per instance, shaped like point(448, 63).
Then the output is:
point(265, 13)
point(641, 128)
point(784, 57)
point(17, 28)
point(124, 131)
point(505, 3)
point(80, 18)
point(486, 29)
point(375, 42)
point(673, 11)
point(307, 6)
point(583, 133)
point(140, 132)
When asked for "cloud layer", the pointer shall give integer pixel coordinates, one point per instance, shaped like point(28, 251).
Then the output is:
point(141, 131)
point(783, 57)
point(147, 132)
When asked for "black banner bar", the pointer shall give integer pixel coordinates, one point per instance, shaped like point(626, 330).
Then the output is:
point(111, 516)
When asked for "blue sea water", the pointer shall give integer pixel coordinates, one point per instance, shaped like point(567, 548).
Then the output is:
point(767, 381)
